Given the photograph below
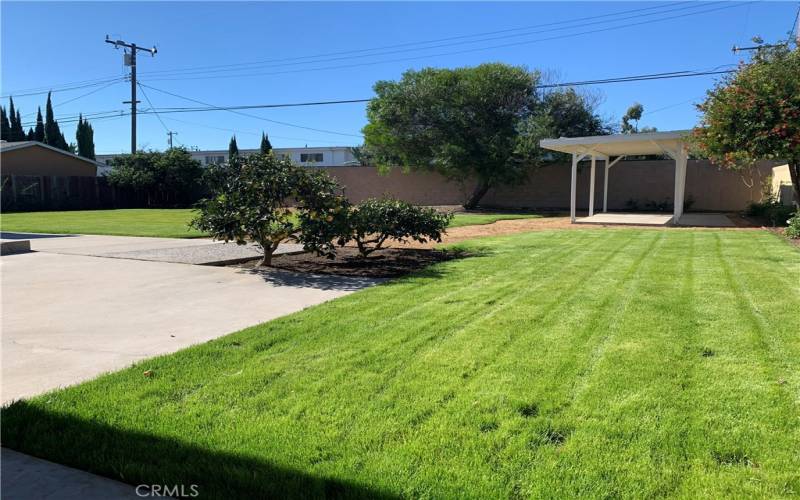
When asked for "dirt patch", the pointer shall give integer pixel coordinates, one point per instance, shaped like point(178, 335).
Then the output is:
point(386, 263)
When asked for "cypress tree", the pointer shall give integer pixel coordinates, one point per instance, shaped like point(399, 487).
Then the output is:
point(16, 132)
point(19, 131)
point(52, 133)
point(31, 135)
point(38, 132)
point(5, 126)
point(233, 148)
point(266, 147)
point(84, 135)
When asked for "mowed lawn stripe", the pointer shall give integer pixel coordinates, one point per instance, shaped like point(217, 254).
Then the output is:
point(599, 450)
point(748, 403)
point(579, 371)
point(470, 402)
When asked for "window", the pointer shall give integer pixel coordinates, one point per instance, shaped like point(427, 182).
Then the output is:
point(310, 157)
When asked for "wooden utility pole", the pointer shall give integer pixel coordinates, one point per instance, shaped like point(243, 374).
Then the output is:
point(130, 60)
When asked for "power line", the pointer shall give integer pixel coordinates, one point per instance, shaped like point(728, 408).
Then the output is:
point(55, 89)
point(213, 107)
point(154, 110)
point(297, 60)
point(464, 51)
point(100, 115)
point(79, 97)
point(249, 132)
point(624, 79)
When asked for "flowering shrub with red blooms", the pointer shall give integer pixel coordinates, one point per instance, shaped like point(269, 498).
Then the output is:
point(754, 114)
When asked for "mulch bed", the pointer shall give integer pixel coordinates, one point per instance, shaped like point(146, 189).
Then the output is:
point(385, 263)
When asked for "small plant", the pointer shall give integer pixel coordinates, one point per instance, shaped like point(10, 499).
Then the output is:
point(793, 229)
point(375, 221)
point(774, 212)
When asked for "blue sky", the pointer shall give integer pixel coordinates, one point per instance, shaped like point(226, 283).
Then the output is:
point(50, 44)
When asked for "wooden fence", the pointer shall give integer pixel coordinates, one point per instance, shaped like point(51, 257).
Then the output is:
point(30, 193)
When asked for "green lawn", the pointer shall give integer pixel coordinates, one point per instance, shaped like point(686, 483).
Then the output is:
point(473, 219)
point(165, 223)
point(591, 363)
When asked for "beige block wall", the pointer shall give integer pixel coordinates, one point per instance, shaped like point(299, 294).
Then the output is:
point(712, 188)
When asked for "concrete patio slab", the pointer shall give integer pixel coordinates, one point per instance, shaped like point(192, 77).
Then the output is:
point(67, 318)
point(26, 477)
point(627, 219)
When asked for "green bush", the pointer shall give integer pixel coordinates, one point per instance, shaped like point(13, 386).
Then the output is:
point(793, 230)
point(371, 223)
point(772, 211)
point(260, 198)
point(169, 179)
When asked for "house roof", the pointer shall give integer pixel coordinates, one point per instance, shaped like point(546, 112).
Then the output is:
point(6, 146)
point(650, 143)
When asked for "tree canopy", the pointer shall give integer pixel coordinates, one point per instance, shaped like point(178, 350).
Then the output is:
point(170, 178)
point(478, 124)
point(754, 113)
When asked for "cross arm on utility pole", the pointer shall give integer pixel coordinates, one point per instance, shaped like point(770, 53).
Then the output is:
point(130, 60)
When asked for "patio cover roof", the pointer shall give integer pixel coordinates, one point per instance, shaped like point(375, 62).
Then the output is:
point(604, 147)
point(651, 143)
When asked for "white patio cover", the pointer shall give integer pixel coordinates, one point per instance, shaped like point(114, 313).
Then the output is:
point(604, 147)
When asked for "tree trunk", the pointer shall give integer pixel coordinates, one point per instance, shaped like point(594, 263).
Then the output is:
point(794, 174)
point(268, 251)
point(477, 194)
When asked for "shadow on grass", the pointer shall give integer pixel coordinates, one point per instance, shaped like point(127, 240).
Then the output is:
point(280, 277)
point(138, 458)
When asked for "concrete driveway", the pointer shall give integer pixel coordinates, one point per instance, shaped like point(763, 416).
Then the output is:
point(68, 315)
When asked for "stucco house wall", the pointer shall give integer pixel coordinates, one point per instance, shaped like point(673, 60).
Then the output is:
point(34, 159)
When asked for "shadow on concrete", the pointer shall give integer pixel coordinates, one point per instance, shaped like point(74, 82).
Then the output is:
point(140, 458)
point(32, 236)
point(279, 277)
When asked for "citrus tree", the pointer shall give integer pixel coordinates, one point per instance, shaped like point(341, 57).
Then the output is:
point(260, 199)
point(754, 114)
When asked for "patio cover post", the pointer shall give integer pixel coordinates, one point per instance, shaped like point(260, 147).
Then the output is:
point(573, 188)
point(681, 158)
point(591, 187)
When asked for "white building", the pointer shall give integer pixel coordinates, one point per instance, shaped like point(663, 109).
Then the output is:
point(332, 156)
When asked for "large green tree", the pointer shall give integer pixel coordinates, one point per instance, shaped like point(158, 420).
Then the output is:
point(480, 124)
point(460, 122)
point(754, 113)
